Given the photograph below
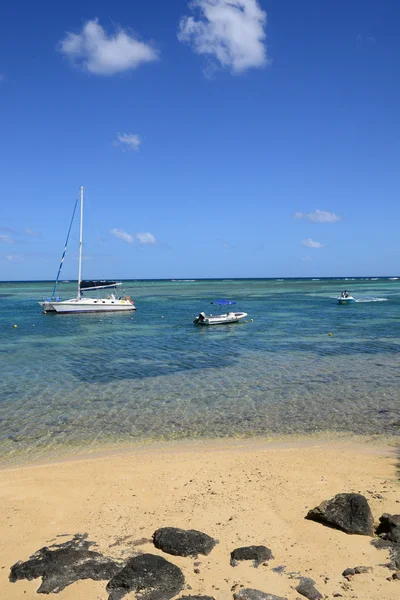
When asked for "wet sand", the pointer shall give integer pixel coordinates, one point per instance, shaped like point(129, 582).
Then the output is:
point(241, 492)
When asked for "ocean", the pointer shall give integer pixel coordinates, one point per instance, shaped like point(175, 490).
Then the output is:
point(85, 381)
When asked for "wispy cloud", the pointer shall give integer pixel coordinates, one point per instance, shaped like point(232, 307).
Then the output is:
point(365, 40)
point(145, 238)
point(319, 216)
point(306, 258)
point(15, 258)
point(123, 235)
point(6, 239)
point(309, 243)
point(96, 52)
point(130, 238)
point(226, 245)
point(130, 141)
point(32, 233)
point(230, 31)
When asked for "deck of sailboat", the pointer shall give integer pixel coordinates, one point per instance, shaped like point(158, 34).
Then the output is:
point(88, 305)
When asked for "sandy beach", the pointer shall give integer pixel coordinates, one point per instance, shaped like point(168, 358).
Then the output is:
point(242, 493)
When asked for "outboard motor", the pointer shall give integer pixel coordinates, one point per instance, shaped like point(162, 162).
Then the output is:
point(200, 318)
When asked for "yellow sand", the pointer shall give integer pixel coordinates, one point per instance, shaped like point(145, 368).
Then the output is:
point(241, 493)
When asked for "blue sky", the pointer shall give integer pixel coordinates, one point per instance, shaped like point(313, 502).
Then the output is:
point(214, 138)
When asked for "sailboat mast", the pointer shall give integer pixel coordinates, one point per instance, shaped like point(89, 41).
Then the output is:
point(80, 247)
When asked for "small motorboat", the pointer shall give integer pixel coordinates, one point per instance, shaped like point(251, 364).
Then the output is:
point(345, 298)
point(229, 317)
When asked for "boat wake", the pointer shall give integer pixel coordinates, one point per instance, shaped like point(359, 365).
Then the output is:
point(372, 300)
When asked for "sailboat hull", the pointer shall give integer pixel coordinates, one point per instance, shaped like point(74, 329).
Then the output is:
point(87, 306)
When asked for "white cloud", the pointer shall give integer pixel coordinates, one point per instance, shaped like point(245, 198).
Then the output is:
point(102, 54)
point(145, 238)
point(128, 140)
point(6, 239)
point(306, 258)
point(309, 243)
point(31, 232)
point(230, 31)
point(319, 216)
point(123, 235)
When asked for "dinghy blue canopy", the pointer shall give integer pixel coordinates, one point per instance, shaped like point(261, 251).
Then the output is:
point(223, 302)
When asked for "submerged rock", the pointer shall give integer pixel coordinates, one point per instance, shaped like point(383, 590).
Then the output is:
point(250, 594)
point(151, 577)
point(307, 588)
point(183, 542)
point(389, 527)
point(348, 512)
point(60, 565)
point(258, 554)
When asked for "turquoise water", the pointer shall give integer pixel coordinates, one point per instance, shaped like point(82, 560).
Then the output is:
point(87, 380)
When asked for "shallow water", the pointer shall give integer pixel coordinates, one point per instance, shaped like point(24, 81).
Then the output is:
point(87, 380)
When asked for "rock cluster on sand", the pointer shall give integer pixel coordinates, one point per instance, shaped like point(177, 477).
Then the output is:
point(182, 542)
point(153, 576)
point(258, 554)
point(349, 512)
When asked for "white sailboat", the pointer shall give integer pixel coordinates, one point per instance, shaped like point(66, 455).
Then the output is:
point(82, 304)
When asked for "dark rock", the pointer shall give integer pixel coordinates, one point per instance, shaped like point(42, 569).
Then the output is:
point(349, 512)
point(196, 598)
point(306, 588)
point(182, 542)
point(349, 572)
point(258, 554)
point(60, 565)
point(151, 577)
point(250, 594)
point(396, 575)
point(389, 527)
